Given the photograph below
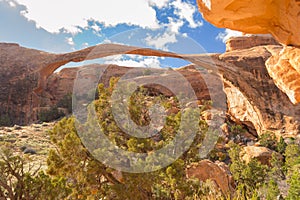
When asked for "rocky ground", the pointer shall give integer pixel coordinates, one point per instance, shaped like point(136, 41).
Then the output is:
point(32, 141)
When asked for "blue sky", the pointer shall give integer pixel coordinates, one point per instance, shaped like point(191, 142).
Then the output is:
point(67, 25)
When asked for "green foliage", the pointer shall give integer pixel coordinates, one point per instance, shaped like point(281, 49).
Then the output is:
point(281, 145)
point(90, 179)
point(294, 183)
point(277, 171)
point(236, 129)
point(268, 139)
point(292, 155)
point(249, 177)
point(272, 190)
point(51, 114)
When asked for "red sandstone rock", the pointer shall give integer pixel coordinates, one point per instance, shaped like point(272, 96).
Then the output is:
point(217, 172)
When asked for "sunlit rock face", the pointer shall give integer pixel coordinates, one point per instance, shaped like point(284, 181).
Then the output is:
point(252, 96)
point(261, 154)
point(284, 68)
point(281, 18)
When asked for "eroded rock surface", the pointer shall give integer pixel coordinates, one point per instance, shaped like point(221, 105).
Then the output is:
point(253, 98)
point(284, 68)
point(24, 73)
point(217, 172)
point(281, 18)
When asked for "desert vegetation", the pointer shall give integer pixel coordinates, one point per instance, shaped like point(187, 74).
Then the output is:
point(72, 171)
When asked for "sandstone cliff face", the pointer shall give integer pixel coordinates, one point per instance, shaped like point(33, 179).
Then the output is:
point(284, 68)
point(18, 80)
point(281, 18)
point(252, 96)
point(246, 42)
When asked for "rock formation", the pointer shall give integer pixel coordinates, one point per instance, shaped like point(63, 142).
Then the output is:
point(284, 68)
point(217, 172)
point(249, 41)
point(24, 73)
point(262, 154)
point(252, 97)
point(281, 18)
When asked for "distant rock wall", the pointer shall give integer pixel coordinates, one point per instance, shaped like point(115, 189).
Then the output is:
point(28, 81)
point(246, 42)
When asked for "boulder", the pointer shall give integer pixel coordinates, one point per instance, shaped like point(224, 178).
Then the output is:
point(217, 172)
point(262, 154)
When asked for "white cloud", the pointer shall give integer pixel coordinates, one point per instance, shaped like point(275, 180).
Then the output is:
point(96, 28)
point(12, 4)
point(85, 45)
point(70, 41)
point(186, 11)
point(56, 14)
point(134, 61)
point(174, 25)
point(20, 30)
point(159, 3)
point(161, 41)
point(224, 36)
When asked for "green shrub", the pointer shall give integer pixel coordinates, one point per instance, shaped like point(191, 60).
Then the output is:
point(268, 139)
point(21, 180)
point(281, 146)
point(249, 177)
point(294, 184)
point(272, 190)
point(49, 115)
